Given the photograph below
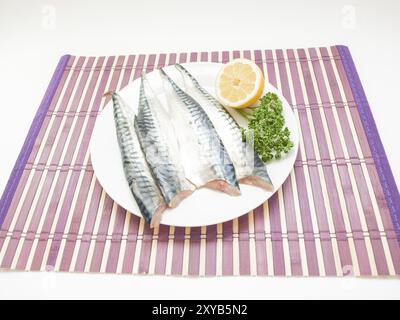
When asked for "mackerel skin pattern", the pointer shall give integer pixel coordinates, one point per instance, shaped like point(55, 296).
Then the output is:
point(247, 162)
point(159, 146)
point(208, 140)
point(140, 180)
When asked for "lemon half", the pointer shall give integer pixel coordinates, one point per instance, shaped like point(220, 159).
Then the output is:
point(240, 83)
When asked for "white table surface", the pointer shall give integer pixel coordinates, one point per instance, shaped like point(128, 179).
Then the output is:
point(34, 34)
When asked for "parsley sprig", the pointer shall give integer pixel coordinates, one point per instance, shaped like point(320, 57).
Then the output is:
point(267, 128)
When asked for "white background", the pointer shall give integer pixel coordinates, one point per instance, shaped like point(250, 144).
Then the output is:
point(34, 34)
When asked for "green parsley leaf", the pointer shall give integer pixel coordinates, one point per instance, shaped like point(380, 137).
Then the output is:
point(270, 136)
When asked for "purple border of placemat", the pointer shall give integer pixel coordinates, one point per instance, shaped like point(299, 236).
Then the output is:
point(378, 152)
point(19, 166)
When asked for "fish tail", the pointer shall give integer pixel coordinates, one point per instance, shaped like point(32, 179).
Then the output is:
point(170, 86)
point(145, 88)
point(184, 70)
point(162, 72)
point(167, 77)
point(143, 76)
point(186, 73)
point(189, 81)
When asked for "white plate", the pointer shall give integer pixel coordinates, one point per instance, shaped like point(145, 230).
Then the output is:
point(204, 206)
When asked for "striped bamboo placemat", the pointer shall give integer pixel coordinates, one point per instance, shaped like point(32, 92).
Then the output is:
point(337, 214)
